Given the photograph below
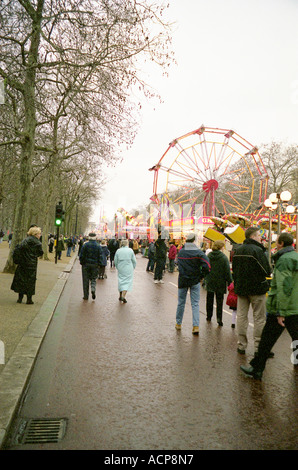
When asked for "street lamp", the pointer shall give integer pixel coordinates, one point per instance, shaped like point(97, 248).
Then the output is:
point(279, 198)
point(271, 207)
point(294, 210)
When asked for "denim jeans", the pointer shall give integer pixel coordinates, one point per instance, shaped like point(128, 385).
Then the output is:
point(150, 265)
point(194, 299)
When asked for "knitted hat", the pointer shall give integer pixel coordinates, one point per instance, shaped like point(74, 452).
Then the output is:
point(92, 236)
point(190, 237)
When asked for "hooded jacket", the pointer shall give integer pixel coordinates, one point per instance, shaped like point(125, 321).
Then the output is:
point(283, 296)
point(193, 265)
point(250, 268)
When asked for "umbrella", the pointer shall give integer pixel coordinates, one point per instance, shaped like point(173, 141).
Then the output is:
point(238, 219)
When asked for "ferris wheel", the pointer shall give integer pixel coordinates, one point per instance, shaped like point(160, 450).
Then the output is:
point(212, 167)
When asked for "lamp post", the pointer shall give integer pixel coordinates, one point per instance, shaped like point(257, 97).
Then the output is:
point(271, 207)
point(279, 198)
point(294, 210)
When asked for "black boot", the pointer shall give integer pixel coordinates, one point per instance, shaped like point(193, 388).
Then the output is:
point(29, 300)
point(256, 374)
point(20, 298)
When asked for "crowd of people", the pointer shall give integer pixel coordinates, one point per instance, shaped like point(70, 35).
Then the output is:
point(247, 280)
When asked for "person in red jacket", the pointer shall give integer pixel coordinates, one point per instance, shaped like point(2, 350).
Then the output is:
point(232, 303)
point(172, 256)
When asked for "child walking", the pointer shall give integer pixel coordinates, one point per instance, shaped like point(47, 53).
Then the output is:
point(232, 303)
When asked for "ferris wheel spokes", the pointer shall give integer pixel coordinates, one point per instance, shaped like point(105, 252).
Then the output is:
point(221, 172)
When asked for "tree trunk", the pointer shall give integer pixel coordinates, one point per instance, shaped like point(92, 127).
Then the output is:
point(28, 140)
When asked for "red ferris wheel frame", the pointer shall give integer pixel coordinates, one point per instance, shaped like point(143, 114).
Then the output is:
point(203, 158)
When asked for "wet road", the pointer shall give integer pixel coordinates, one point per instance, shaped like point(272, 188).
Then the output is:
point(126, 379)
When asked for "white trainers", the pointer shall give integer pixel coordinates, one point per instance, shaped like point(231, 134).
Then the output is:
point(156, 281)
point(161, 281)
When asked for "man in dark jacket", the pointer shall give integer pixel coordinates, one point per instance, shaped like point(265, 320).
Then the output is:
point(160, 258)
point(193, 265)
point(250, 270)
point(90, 259)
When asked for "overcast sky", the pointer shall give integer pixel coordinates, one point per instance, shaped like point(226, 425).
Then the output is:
point(237, 69)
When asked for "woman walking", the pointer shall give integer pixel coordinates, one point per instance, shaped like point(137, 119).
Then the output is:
point(105, 255)
point(217, 280)
point(125, 263)
point(25, 276)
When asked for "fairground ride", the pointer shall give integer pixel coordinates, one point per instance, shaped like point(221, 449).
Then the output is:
point(214, 168)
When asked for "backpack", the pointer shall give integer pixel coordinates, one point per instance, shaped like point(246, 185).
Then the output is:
point(17, 254)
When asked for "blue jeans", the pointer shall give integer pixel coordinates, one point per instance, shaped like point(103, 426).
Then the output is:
point(150, 265)
point(194, 299)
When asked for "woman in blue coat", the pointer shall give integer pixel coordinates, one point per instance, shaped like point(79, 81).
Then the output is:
point(125, 263)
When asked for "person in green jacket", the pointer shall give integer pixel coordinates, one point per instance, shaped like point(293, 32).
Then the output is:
point(282, 306)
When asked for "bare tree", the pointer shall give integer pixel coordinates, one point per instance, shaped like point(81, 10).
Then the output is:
point(94, 42)
point(281, 162)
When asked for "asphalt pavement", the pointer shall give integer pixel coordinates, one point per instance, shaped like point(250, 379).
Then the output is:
point(125, 378)
point(22, 328)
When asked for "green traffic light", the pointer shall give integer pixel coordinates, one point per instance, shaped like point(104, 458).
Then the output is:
point(58, 222)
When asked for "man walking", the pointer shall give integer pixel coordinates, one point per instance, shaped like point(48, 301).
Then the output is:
point(282, 305)
point(250, 269)
point(90, 259)
point(193, 265)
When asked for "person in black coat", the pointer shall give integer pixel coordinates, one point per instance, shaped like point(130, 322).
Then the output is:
point(113, 246)
point(90, 260)
point(25, 275)
point(160, 258)
point(217, 280)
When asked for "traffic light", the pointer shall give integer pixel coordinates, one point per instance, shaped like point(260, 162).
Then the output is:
point(59, 214)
